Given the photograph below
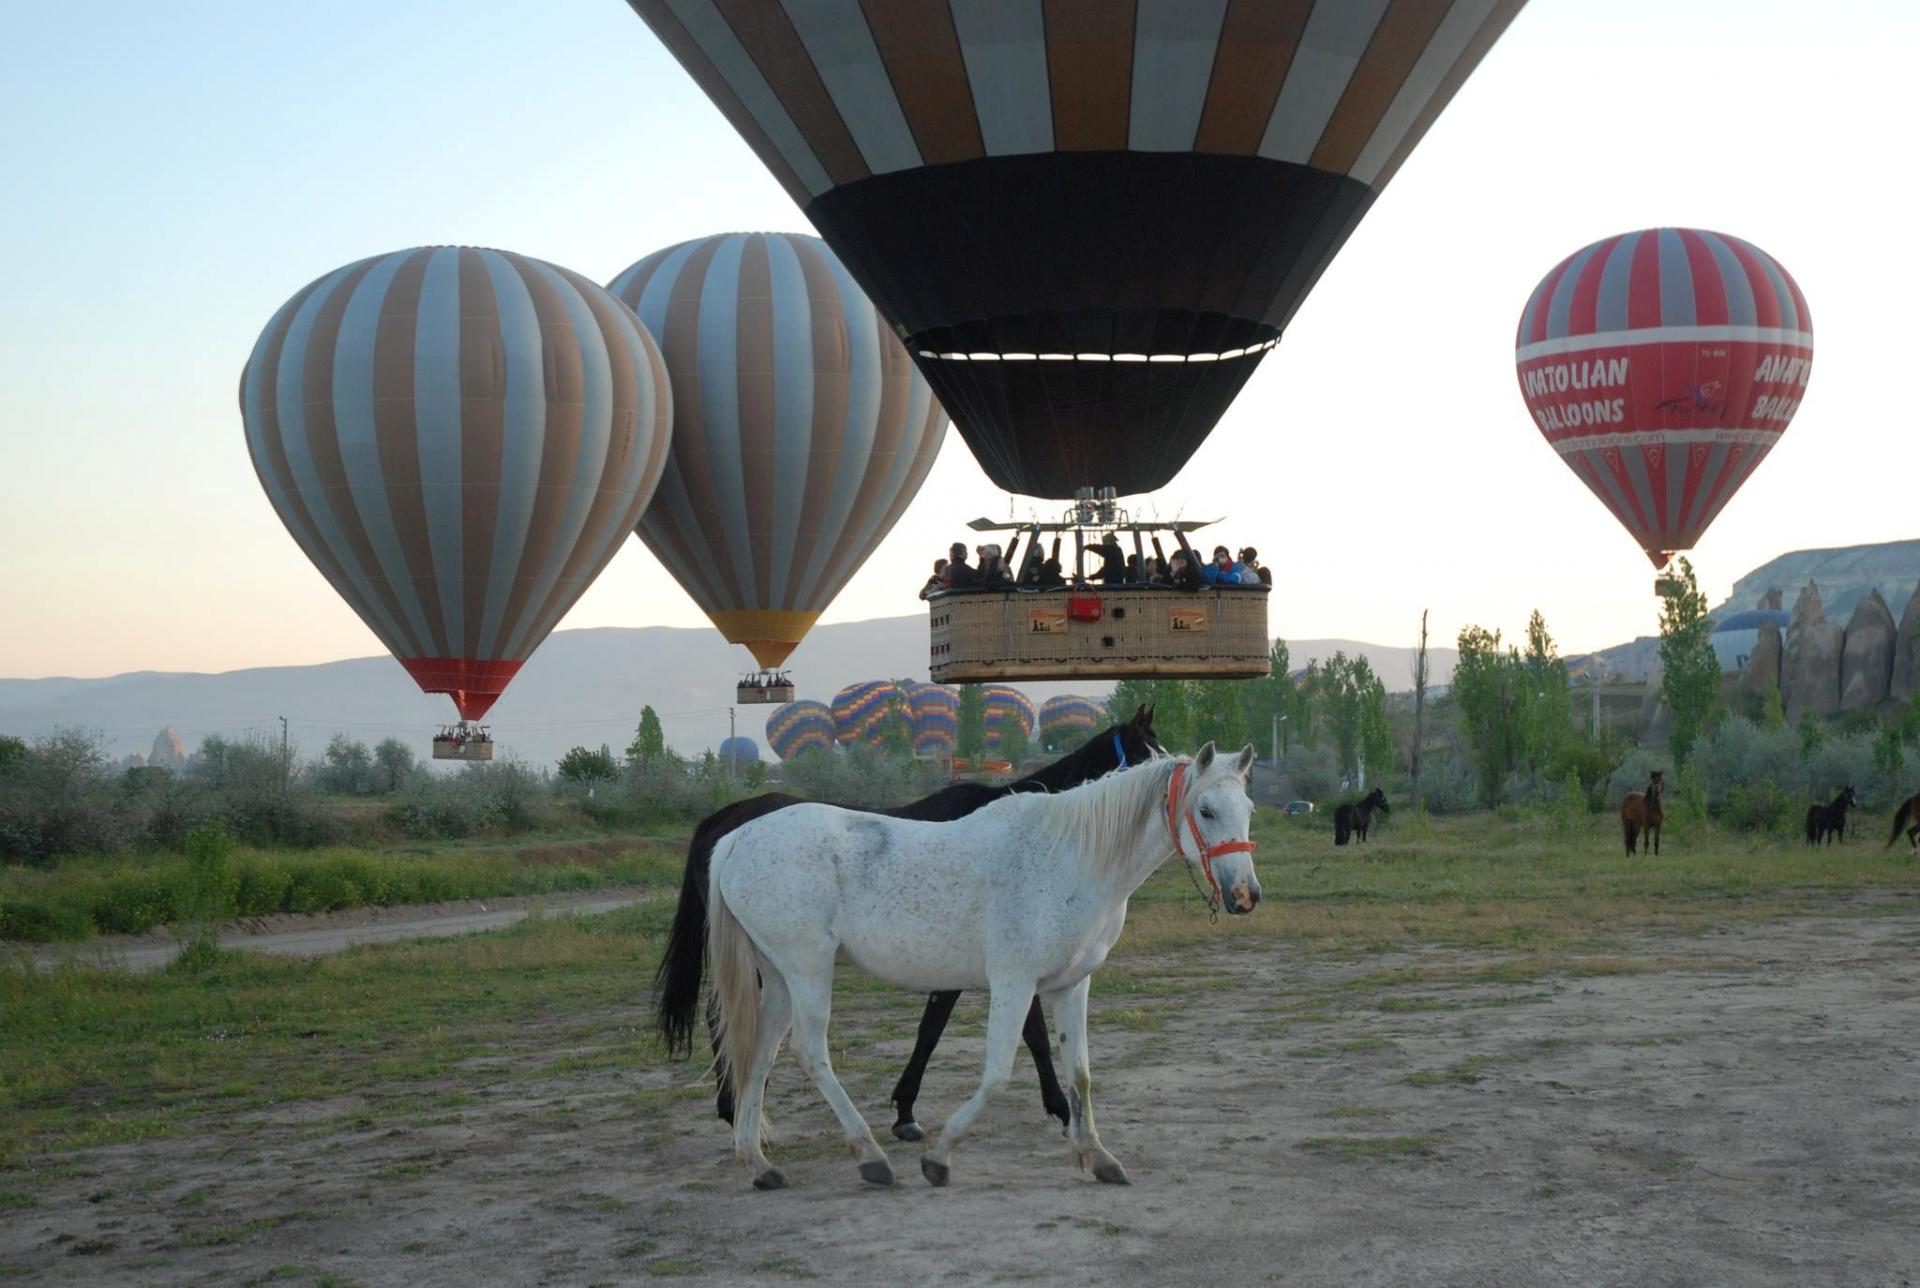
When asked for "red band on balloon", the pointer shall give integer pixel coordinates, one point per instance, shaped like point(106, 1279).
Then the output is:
point(474, 685)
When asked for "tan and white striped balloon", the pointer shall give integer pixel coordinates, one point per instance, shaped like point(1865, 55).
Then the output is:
point(460, 439)
point(801, 429)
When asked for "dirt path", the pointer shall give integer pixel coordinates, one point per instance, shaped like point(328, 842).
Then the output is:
point(329, 932)
point(1739, 1107)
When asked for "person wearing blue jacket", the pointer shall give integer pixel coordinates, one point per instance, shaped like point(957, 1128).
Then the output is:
point(1223, 571)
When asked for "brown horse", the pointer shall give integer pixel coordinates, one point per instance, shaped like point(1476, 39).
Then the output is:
point(1908, 813)
point(1640, 813)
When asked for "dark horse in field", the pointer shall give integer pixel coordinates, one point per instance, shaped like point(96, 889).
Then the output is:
point(1354, 818)
point(1907, 814)
point(1830, 820)
point(1640, 813)
point(677, 983)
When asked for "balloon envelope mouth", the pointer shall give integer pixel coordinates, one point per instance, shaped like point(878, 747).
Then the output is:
point(474, 684)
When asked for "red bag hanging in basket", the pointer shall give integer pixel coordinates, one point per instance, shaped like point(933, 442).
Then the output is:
point(1084, 608)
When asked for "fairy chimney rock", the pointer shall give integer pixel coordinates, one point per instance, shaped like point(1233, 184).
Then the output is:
point(1810, 670)
point(168, 750)
point(1763, 665)
point(1866, 662)
point(1906, 651)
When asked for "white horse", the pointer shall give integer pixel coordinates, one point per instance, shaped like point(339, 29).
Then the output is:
point(1026, 895)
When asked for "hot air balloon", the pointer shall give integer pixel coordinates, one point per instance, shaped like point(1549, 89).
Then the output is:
point(737, 751)
point(861, 712)
point(1663, 366)
point(1088, 219)
point(1067, 719)
point(801, 430)
point(1006, 708)
point(460, 440)
point(798, 727)
point(936, 719)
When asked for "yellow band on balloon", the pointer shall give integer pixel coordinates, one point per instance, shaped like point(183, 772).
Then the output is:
point(770, 634)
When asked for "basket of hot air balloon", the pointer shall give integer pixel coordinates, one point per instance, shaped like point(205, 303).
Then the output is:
point(460, 440)
point(801, 430)
point(1009, 719)
point(800, 727)
point(1662, 366)
point(936, 719)
point(1067, 719)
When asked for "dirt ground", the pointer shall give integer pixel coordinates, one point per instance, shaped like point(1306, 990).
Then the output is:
point(1736, 1107)
point(300, 934)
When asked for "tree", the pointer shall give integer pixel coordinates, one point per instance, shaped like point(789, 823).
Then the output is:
point(393, 765)
point(1890, 757)
point(896, 729)
point(1544, 702)
point(345, 768)
point(1483, 690)
point(1269, 698)
point(1014, 741)
point(589, 767)
point(1690, 671)
point(13, 756)
point(1353, 701)
point(649, 745)
point(1217, 713)
point(1419, 710)
point(970, 735)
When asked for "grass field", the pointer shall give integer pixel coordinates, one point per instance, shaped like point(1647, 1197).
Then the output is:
point(93, 1057)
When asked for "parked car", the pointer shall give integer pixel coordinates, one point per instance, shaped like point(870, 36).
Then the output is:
point(1297, 807)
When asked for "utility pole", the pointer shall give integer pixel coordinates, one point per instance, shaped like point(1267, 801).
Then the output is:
point(733, 748)
point(286, 760)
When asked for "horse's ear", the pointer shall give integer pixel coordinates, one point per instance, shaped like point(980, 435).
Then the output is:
point(1243, 765)
point(1203, 762)
point(1139, 715)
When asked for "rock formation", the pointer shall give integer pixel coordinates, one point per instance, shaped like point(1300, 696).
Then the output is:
point(1906, 652)
point(1866, 661)
point(168, 750)
point(1763, 665)
point(1810, 671)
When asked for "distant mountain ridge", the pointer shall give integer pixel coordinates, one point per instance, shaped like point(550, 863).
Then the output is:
point(581, 687)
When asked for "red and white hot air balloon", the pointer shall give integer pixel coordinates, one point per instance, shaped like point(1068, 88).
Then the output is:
point(1663, 366)
point(460, 439)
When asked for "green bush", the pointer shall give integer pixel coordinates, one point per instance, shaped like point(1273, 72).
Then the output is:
point(134, 902)
point(1761, 807)
point(40, 921)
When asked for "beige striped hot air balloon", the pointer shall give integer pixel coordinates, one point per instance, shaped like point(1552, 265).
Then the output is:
point(460, 439)
point(801, 429)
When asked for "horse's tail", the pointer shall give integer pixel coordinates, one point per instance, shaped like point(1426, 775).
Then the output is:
point(1342, 825)
point(1813, 824)
point(1900, 817)
point(676, 984)
point(1628, 828)
point(736, 983)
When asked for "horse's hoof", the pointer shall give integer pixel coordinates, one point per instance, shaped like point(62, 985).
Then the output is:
point(1110, 1173)
point(908, 1130)
point(771, 1179)
point(936, 1172)
point(876, 1172)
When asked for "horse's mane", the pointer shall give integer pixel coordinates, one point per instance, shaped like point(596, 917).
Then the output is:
point(1100, 820)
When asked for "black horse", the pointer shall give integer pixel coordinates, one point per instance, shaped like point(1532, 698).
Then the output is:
point(1829, 821)
point(1354, 818)
point(677, 983)
point(1907, 817)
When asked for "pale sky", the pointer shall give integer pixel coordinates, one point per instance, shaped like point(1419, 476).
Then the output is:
point(173, 172)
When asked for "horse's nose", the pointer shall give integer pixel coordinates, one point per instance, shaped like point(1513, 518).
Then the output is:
point(1245, 896)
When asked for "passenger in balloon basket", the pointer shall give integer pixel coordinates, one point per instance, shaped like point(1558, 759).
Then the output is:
point(1184, 572)
point(937, 582)
point(1223, 571)
point(1113, 561)
point(993, 569)
point(1251, 569)
point(960, 574)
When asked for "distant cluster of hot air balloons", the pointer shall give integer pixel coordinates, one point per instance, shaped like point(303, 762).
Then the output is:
point(927, 716)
